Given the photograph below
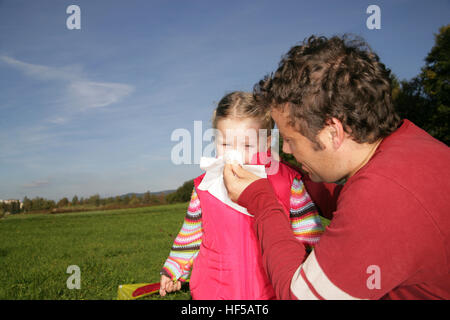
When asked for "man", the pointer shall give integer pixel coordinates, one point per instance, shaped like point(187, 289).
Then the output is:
point(389, 237)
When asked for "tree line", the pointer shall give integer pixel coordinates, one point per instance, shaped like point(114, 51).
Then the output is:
point(95, 202)
point(425, 99)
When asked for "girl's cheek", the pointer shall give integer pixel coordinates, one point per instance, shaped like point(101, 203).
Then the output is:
point(250, 156)
point(219, 150)
point(247, 158)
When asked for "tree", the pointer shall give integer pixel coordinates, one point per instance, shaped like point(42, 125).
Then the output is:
point(425, 99)
point(37, 204)
point(94, 200)
point(182, 194)
point(12, 207)
point(126, 200)
point(26, 204)
point(412, 103)
point(154, 199)
point(162, 198)
point(110, 200)
point(75, 201)
point(436, 84)
point(146, 199)
point(50, 204)
point(64, 202)
point(134, 200)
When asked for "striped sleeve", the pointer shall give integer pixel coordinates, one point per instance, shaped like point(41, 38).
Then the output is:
point(187, 243)
point(305, 221)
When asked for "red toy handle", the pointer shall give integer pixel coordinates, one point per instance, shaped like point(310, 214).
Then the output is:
point(147, 289)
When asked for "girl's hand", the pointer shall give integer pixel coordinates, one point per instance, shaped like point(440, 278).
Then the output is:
point(167, 285)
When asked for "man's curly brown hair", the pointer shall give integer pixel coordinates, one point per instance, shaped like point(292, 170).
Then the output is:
point(340, 78)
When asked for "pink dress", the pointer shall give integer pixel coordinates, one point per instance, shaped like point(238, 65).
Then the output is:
point(229, 263)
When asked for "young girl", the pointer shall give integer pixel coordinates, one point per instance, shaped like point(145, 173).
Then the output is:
point(216, 240)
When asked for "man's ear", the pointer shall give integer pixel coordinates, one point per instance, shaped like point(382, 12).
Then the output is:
point(336, 132)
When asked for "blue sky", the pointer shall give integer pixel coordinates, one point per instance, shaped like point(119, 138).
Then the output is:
point(92, 110)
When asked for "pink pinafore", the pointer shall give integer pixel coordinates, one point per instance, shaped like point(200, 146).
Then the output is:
point(229, 264)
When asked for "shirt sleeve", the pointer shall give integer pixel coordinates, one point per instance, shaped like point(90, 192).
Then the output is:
point(380, 237)
point(186, 244)
point(281, 252)
point(305, 221)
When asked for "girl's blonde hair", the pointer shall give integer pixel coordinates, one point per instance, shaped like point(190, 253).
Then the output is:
point(240, 104)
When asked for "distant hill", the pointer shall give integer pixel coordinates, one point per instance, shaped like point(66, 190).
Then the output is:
point(140, 195)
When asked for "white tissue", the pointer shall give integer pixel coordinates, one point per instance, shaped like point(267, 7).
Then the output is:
point(233, 155)
point(213, 179)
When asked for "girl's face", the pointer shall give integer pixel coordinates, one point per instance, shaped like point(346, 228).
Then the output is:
point(241, 135)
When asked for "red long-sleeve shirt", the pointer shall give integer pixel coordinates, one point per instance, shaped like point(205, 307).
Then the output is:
point(390, 233)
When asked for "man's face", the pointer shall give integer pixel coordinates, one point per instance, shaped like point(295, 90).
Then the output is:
point(320, 165)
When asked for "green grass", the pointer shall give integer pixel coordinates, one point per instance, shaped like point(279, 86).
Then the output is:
point(110, 247)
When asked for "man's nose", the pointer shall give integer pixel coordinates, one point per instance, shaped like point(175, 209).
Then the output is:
point(286, 148)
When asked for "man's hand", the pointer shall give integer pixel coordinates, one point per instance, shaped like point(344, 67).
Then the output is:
point(237, 179)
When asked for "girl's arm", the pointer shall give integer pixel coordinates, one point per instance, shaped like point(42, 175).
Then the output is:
point(305, 221)
point(187, 243)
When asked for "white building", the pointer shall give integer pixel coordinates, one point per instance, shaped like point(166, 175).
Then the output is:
point(11, 201)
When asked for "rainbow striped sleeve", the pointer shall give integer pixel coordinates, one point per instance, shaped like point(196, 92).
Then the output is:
point(187, 243)
point(305, 220)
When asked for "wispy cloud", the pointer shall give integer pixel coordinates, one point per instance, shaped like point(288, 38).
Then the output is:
point(98, 94)
point(57, 120)
point(37, 184)
point(155, 157)
point(41, 72)
point(82, 92)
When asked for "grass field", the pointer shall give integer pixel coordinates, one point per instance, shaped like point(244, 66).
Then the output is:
point(110, 248)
